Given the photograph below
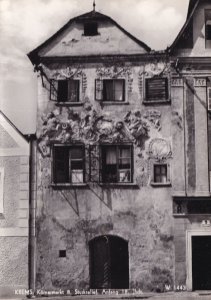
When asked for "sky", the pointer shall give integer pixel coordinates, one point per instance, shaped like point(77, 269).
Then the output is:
point(25, 24)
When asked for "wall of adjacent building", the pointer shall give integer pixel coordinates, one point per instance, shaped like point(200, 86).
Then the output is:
point(14, 218)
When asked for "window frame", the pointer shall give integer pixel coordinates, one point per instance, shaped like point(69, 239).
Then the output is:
point(53, 165)
point(118, 182)
point(100, 92)
point(168, 175)
point(155, 101)
point(54, 89)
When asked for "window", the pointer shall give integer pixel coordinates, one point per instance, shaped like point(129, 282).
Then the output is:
point(68, 164)
point(110, 90)
point(208, 28)
point(67, 90)
point(90, 29)
point(116, 164)
point(156, 89)
point(62, 253)
point(160, 173)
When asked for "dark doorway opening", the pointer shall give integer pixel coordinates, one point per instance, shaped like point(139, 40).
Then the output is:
point(201, 262)
point(109, 263)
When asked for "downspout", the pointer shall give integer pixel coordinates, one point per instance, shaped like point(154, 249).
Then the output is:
point(185, 150)
point(32, 215)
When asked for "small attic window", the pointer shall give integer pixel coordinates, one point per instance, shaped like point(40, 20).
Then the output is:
point(90, 29)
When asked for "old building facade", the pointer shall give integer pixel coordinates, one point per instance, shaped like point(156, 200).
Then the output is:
point(190, 54)
point(121, 157)
point(14, 208)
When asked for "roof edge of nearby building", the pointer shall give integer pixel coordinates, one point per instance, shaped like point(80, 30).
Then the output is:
point(16, 129)
point(34, 57)
point(192, 7)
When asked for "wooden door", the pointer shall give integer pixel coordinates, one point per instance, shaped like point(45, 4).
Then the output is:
point(109, 263)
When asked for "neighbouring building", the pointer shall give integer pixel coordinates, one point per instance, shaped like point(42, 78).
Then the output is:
point(122, 157)
point(14, 208)
point(191, 96)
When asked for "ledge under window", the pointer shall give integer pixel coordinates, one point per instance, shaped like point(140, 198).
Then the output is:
point(69, 103)
point(113, 103)
point(68, 185)
point(119, 185)
point(158, 102)
point(160, 184)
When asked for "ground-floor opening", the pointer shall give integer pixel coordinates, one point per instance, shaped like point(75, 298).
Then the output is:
point(109, 263)
point(201, 262)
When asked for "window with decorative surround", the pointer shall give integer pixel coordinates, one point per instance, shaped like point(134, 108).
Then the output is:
point(160, 174)
point(110, 90)
point(65, 91)
point(156, 90)
point(116, 164)
point(68, 164)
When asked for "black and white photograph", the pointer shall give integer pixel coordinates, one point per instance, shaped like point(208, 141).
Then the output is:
point(105, 149)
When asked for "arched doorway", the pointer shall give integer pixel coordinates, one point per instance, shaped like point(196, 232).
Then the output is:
point(109, 263)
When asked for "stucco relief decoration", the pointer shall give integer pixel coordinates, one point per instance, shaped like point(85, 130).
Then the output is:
point(116, 71)
point(160, 149)
point(140, 82)
point(157, 69)
point(177, 119)
point(137, 126)
point(154, 117)
point(91, 127)
point(74, 73)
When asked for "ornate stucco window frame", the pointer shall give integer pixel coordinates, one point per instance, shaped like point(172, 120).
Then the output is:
point(155, 163)
point(160, 153)
point(67, 185)
point(102, 101)
point(116, 72)
point(54, 84)
point(157, 102)
point(68, 73)
point(117, 184)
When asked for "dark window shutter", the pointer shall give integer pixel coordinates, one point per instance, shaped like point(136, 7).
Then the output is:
point(94, 163)
point(156, 89)
point(53, 89)
point(62, 90)
point(61, 164)
point(98, 89)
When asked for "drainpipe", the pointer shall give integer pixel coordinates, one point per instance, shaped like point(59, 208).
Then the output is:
point(32, 215)
point(185, 149)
